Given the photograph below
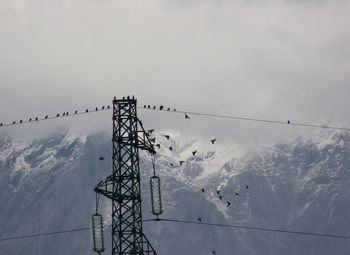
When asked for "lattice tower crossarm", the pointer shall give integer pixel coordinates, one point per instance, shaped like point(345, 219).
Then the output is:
point(123, 187)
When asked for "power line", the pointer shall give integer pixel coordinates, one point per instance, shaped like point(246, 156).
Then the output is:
point(251, 228)
point(44, 234)
point(287, 122)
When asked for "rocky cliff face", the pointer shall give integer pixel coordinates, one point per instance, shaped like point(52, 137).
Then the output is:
point(302, 185)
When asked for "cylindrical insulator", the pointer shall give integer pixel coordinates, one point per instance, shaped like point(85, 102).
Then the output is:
point(156, 200)
point(97, 233)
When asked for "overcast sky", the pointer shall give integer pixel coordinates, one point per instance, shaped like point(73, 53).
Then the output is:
point(282, 59)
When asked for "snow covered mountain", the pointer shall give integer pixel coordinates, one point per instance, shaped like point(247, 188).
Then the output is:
point(303, 185)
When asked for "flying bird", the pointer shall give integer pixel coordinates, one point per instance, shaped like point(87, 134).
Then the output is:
point(199, 219)
point(213, 141)
point(167, 137)
point(181, 162)
point(236, 193)
point(186, 116)
point(247, 187)
point(158, 145)
point(228, 203)
point(202, 190)
point(150, 131)
point(101, 158)
point(171, 148)
point(194, 153)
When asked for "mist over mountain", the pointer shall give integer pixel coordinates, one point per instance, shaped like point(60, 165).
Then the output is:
point(302, 185)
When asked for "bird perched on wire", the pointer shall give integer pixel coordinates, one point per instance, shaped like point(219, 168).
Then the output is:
point(213, 141)
point(57, 115)
point(64, 114)
point(96, 109)
point(181, 162)
point(148, 106)
point(168, 109)
point(199, 219)
point(75, 112)
point(246, 186)
point(13, 122)
point(154, 107)
point(161, 107)
point(144, 106)
point(101, 158)
point(171, 148)
point(46, 117)
point(103, 107)
point(20, 121)
point(67, 113)
point(167, 137)
point(30, 119)
point(108, 107)
point(288, 122)
point(171, 164)
point(186, 116)
point(194, 153)
point(36, 118)
point(87, 110)
point(228, 203)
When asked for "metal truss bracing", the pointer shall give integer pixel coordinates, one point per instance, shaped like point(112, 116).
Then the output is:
point(123, 186)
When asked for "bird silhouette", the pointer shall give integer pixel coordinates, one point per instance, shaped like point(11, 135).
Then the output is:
point(288, 122)
point(199, 219)
point(108, 107)
point(218, 192)
point(144, 106)
point(161, 107)
point(116, 98)
point(181, 162)
point(153, 140)
point(154, 107)
point(36, 118)
point(194, 153)
point(148, 106)
point(64, 114)
point(150, 131)
point(67, 113)
point(220, 197)
point(247, 187)
point(174, 110)
point(103, 107)
point(101, 158)
point(30, 119)
point(87, 110)
point(171, 148)
point(202, 190)
point(236, 193)
point(1, 124)
point(158, 145)
point(20, 121)
point(167, 137)
point(96, 109)
point(57, 115)
point(75, 112)
point(171, 164)
point(228, 203)
point(13, 122)
point(186, 116)
point(168, 109)
point(213, 252)
point(213, 141)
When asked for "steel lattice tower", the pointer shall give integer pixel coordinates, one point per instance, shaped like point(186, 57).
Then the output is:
point(123, 186)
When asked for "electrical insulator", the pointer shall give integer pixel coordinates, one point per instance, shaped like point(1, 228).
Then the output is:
point(156, 199)
point(97, 233)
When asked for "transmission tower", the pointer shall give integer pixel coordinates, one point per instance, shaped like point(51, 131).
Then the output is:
point(123, 186)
